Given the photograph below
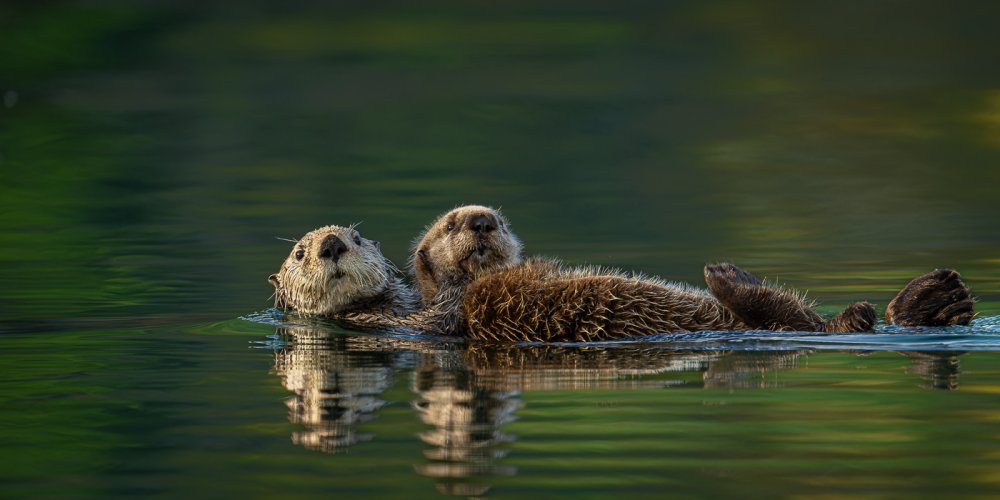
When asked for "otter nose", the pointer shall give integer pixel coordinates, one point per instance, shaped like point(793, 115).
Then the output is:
point(331, 248)
point(482, 224)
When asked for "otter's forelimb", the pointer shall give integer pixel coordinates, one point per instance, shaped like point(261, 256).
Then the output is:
point(774, 308)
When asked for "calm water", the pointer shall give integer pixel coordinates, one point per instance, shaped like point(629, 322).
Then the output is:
point(151, 154)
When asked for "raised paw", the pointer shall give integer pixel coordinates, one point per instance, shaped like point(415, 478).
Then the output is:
point(725, 280)
point(858, 317)
point(758, 305)
point(938, 298)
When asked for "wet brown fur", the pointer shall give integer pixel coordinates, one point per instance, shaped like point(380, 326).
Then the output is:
point(774, 308)
point(474, 283)
point(541, 300)
point(938, 298)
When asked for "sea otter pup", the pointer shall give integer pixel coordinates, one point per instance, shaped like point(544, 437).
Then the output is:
point(334, 272)
point(468, 267)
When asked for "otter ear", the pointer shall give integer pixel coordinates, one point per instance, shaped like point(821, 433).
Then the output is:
point(273, 280)
point(424, 261)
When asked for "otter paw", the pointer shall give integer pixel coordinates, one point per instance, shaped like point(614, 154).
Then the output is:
point(758, 305)
point(938, 298)
point(858, 317)
point(725, 281)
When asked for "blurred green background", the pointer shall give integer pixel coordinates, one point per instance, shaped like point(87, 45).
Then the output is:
point(153, 151)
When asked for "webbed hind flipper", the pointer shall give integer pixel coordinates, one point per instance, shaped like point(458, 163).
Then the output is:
point(758, 305)
point(938, 298)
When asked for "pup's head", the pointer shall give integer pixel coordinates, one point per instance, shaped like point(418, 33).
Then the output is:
point(460, 244)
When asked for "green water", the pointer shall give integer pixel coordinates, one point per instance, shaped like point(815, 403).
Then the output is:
point(152, 152)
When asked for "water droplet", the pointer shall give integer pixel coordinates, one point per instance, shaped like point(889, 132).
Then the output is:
point(9, 99)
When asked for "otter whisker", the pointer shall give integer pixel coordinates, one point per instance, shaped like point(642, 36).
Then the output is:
point(360, 286)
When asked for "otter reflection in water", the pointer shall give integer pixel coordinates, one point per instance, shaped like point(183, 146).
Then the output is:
point(466, 394)
point(466, 441)
point(336, 382)
point(938, 369)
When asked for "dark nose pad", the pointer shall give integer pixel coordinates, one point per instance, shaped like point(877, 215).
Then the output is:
point(331, 248)
point(482, 224)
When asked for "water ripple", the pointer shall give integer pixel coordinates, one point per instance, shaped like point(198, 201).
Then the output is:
point(982, 335)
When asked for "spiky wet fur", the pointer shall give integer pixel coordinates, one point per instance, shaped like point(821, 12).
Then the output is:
point(362, 286)
point(771, 307)
point(938, 298)
point(477, 285)
point(543, 301)
point(504, 298)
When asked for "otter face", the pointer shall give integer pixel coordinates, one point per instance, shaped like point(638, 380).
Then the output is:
point(330, 270)
point(460, 244)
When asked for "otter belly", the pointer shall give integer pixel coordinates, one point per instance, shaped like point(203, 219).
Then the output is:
point(516, 306)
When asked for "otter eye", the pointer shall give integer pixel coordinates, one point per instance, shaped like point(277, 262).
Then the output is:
point(357, 240)
point(450, 226)
point(299, 254)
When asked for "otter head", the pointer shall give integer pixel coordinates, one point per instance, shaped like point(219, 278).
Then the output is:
point(331, 270)
point(460, 244)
